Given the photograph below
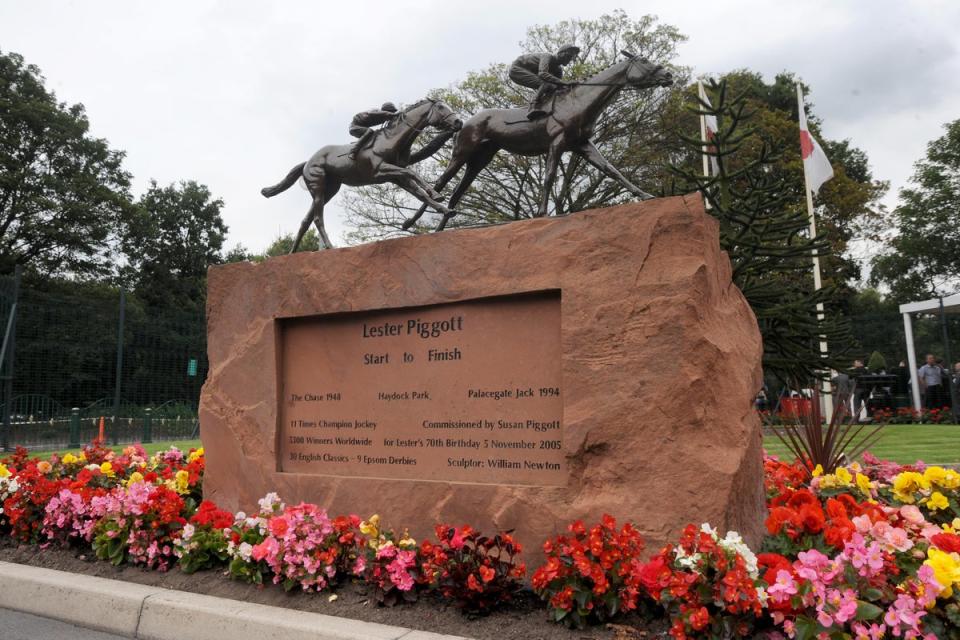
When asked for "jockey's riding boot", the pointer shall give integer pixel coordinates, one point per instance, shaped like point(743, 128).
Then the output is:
point(535, 114)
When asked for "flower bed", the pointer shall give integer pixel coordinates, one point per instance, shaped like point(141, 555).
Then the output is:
point(866, 552)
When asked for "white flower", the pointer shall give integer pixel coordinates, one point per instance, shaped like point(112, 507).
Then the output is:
point(270, 503)
point(707, 529)
point(188, 531)
point(245, 550)
point(734, 543)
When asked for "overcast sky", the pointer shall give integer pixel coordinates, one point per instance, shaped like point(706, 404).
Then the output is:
point(233, 94)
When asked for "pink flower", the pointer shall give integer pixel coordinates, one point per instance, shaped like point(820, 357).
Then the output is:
point(912, 514)
point(784, 587)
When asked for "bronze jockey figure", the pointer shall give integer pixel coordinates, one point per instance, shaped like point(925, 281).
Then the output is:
point(542, 72)
point(362, 125)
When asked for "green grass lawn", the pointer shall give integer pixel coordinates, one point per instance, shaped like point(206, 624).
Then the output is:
point(904, 443)
point(153, 447)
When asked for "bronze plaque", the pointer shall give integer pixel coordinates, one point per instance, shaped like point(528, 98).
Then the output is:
point(459, 392)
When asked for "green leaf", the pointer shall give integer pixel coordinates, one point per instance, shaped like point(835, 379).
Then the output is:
point(868, 610)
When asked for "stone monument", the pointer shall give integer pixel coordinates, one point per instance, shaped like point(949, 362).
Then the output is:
point(511, 377)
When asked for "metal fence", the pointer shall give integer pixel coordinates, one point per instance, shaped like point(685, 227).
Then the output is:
point(883, 333)
point(70, 360)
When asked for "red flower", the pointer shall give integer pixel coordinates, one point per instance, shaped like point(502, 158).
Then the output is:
point(812, 517)
point(279, 526)
point(472, 583)
point(486, 573)
point(949, 542)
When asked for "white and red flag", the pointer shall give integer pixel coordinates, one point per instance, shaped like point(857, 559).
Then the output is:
point(708, 133)
point(816, 166)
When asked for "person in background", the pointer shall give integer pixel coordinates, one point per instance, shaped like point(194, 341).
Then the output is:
point(842, 388)
point(860, 394)
point(931, 382)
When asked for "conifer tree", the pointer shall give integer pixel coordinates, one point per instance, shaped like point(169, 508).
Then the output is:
point(767, 240)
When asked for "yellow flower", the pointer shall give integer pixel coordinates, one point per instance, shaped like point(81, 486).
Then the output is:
point(196, 453)
point(83, 456)
point(136, 476)
point(946, 569)
point(370, 527)
point(182, 481)
point(4, 472)
point(69, 458)
point(406, 542)
point(44, 467)
point(937, 501)
point(864, 484)
point(906, 484)
point(107, 469)
point(818, 471)
point(944, 478)
point(843, 476)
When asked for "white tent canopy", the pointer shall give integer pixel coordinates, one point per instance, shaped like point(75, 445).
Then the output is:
point(950, 304)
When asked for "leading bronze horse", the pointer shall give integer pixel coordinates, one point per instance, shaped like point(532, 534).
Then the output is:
point(385, 160)
point(575, 112)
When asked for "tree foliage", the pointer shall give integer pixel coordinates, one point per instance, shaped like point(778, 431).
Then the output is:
point(176, 232)
point(766, 238)
point(62, 191)
point(922, 259)
point(280, 246)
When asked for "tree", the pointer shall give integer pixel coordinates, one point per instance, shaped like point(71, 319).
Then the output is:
point(62, 191)
point(765, 236)
point(631, 134)
point(279, 247)
point(922, 259)
point(282, 245)
point(175, 233)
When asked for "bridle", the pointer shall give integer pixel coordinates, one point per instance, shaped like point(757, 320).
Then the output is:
point(433, 105)
point(630, 62)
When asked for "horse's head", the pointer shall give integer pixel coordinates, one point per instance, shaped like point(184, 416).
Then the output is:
point(430, 113)
point(443, 117)
point(643, 74)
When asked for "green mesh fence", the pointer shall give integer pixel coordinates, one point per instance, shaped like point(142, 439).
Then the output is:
point(65, 358)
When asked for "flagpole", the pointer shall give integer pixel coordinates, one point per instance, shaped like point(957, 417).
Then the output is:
point(703, 132)
point(703, 137)
point(817, 280)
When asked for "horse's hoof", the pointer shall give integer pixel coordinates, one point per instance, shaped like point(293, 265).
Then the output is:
point(407, 224)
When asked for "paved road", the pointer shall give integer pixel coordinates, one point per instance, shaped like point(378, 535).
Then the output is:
point(23, 626)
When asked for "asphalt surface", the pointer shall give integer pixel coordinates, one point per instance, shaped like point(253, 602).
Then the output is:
point(23, 626)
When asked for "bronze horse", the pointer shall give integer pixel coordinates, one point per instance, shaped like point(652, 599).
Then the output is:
point(568, 128)
point(385, 160)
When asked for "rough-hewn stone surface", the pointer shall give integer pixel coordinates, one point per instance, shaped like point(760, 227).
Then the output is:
point(660, 363)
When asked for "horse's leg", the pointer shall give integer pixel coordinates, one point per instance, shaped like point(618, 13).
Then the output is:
point(552, 163)
point(592, 155)
point(314, 180)
point(455, 164)
point(409, 182)
point(476, 164)
point(330, 188)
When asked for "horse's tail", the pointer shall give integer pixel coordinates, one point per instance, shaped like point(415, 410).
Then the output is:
point(286, 183)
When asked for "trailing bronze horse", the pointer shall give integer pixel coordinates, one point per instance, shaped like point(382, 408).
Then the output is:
point(568, 128)
point(385, 160)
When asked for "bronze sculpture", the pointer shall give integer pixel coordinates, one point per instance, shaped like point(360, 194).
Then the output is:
point(574, 108)
point(542, 72)
point(384, 160)
point(362, 125)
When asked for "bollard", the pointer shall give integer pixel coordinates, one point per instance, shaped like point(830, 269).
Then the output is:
point(147, 426)
point(74, 428)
